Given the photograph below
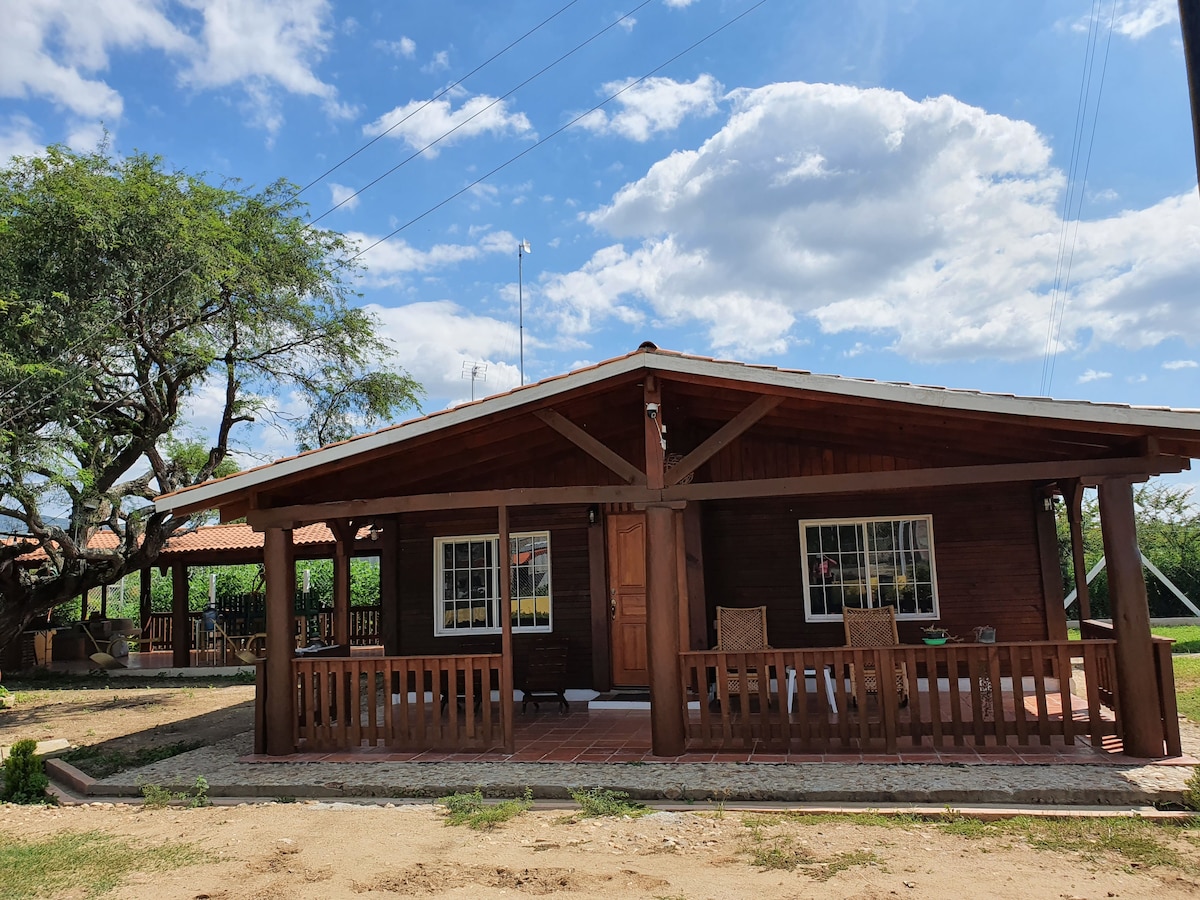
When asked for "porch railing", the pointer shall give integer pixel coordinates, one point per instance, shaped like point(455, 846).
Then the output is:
point(968, 693)
point(407, 703)
point(364, 627)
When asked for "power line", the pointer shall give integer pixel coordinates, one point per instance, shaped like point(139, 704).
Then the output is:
point(82, 341)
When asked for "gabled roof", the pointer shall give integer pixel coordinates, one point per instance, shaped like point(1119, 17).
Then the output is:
point(211, 493)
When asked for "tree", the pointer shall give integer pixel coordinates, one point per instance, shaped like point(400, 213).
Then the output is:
point(126, 290)
point(1168, 530)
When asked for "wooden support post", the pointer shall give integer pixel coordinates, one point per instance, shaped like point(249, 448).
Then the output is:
point(1073, 494)
point(693, 547)
point(598, 586)
point(1052, 585)
point(389, 585)
point(83, 607)
point(279, 563)
point(104, 601)
point(181, 624)
point(506, 648)
point(145, 608)
point(662, 632)
point(343, 537)
point(1137, 684)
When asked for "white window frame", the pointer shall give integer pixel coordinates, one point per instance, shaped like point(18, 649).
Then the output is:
point(810, 616)
point(439, 585)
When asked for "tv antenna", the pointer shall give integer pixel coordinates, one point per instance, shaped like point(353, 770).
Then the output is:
point(476, 371)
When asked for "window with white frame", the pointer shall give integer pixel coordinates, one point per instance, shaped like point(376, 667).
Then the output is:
point(865, 563)
point(467, 581)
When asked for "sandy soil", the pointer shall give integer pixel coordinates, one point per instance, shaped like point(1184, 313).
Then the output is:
point(129, 714)
point(330, 851)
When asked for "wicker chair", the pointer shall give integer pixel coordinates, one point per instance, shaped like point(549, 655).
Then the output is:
point(741, 630)
point(873, 628)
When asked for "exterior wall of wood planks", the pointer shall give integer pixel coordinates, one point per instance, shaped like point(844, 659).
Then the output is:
point(569, 572)
point(985, 545)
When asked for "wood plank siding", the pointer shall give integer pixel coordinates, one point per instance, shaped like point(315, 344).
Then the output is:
point(570, 583)
point(988, 569)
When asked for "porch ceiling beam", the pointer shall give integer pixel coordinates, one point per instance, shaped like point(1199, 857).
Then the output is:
point(607, 457)
point(722, 436)
point(1089, 470)
point(383, 506)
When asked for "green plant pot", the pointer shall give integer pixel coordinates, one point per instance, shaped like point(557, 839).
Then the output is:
point(935, 642)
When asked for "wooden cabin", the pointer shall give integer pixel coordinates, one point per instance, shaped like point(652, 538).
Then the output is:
point(638, 495)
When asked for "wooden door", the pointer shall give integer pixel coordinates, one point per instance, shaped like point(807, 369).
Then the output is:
point(627, 596)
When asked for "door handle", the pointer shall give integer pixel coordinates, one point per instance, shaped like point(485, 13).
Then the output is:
point(613, 608)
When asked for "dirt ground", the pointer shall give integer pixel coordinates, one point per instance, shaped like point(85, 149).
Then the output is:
point(281, 851)
point(128, 714)
point(331, 850)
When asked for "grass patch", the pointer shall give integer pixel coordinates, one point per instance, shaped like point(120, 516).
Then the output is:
point(780, 854)
point(595, 803)
point(92, 861)
point(1186, 637)
point(471, 810)
point(156, 797)
point(1187, 686)
point(99, 762)
point(850, 859)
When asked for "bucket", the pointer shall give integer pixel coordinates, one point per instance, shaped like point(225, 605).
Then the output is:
point(985, 634)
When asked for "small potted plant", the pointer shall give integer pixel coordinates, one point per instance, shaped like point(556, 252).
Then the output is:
point(935, 635)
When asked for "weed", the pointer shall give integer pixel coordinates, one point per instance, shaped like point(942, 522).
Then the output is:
point(843, 861)
point(1191, 793)
point(24, 778)
point(90, 863)
point(100, 763)
point(598, 802)
point(470, 809)
point(781, 853)
point(156, 797)
point(285, 800)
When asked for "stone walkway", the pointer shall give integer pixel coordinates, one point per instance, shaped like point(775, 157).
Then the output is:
point(815, 783)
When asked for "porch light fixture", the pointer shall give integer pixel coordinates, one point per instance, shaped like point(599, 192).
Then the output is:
point(374, 532)
point(593, 514)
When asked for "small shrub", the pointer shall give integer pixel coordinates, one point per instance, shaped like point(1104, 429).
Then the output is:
point(470, 809)
point(155, 797)
point(1191, 793)
point(599, 802)
point(779, 854)
point(25, 780)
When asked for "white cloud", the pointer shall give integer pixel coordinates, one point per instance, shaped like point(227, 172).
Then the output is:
point(1181, 364)
point(1092, 375)
point(55, 48)
point(389, 262)
point(1137, 18)
point(419, 124)
point(439, 63)
point(863, 210)
point(406, 47)
point(627, 22)
point(19, 137)
point(342, 196)
point(433, 339)
point(262, 45)
point(679, 4)
point(653, 106)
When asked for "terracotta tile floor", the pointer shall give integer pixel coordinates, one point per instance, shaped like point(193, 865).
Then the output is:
point(623, 736)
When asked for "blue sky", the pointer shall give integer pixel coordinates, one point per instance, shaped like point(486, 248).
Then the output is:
point(864, 188)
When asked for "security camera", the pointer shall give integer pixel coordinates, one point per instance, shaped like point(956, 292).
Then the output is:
point(652, 410)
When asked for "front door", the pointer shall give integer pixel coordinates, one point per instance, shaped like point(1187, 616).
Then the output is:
point(627, 595)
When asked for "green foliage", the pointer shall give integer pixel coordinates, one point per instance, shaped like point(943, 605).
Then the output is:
point(100, 762)
point(1191, 793)
point(87, 864)
point(471, 810)
point(156, 797)
point(25, 780)
point(1187, 686)
point(1168, 527)
point(160, 285)
point(598, 802)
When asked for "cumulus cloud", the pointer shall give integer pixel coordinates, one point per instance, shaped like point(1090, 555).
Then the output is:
point(653, 106)
point(930, 222)
point(391, 261)
point(678, 4)
point(1137, 18)
point(1174, 364)
point(406, 47)
point(439, 63)
point(59, 50)
point(1092, 375)
point(19, 136)
point(433, 339)
point(342, 196)
point(419, 123)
